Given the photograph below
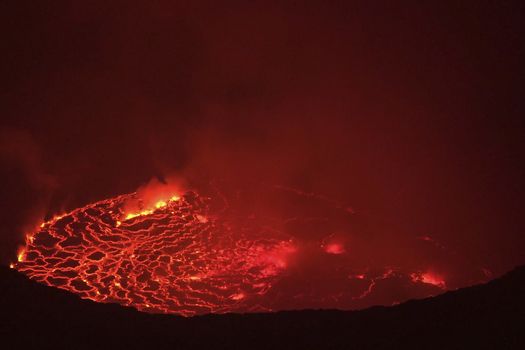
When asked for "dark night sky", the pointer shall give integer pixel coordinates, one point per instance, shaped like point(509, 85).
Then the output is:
point(410, 113)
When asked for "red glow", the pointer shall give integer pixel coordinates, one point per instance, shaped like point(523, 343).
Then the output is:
point(429, 278)
point(361, 161)
point(334, 248)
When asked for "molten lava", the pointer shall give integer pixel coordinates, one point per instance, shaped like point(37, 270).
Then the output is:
point(429, 278)
point(172, 258)
point(185, 254)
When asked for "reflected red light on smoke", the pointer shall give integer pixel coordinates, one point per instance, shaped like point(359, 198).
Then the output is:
point(334, 248)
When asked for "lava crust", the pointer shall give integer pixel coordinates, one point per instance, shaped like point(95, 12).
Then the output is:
point(232, 251)
point(175, 258)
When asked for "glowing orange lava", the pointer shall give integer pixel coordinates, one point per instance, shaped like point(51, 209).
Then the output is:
point(172, 258)
point(191, 254)
point(429, 278)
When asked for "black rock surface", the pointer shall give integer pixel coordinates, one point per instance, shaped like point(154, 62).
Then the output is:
point(491, 315)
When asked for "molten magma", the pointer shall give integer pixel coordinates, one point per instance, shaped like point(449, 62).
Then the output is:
point(172, 258)
point(189, 254)
point(429, 278)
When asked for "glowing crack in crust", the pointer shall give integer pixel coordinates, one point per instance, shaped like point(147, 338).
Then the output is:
point(172, 258)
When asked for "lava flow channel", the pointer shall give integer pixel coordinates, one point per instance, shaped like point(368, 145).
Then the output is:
point(172, 258)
